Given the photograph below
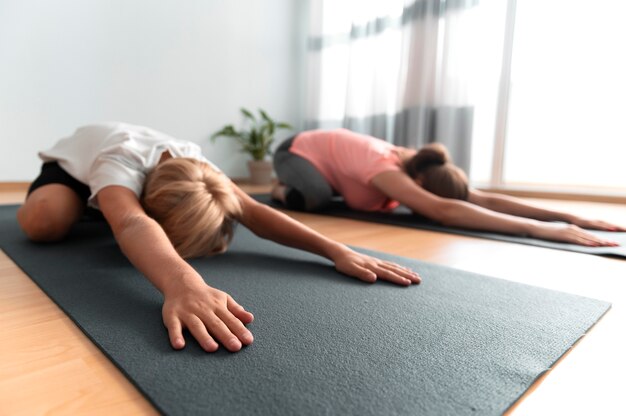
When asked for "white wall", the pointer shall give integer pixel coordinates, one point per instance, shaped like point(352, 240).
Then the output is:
point(180, 66)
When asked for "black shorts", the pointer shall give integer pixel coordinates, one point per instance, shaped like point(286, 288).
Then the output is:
point(51, 173)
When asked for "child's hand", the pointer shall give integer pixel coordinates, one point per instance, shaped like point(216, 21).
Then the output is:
point(369, 269)
point(207, 313)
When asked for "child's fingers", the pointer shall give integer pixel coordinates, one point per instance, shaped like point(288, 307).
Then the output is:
point(220, 331)
point(392, 276)
point(401, 271)
point(175, 331)
point(239, 311)
point(200, 333)
point(363, 273)
point(235, 326)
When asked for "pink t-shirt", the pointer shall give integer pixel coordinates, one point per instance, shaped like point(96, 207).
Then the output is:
point(349, 161)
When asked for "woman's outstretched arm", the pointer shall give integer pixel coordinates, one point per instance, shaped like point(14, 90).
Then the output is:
point(208, 313)
point(515, 206)
point(400, 187)
point(271, 224)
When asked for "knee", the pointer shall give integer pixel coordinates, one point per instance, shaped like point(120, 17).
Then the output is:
point(41, 223)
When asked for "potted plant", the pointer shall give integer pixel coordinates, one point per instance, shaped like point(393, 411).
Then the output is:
point(255, 138)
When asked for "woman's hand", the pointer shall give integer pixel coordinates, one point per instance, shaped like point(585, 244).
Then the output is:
point(208, 313)
point(569, 233)
point(369, 269)
point(595, 224)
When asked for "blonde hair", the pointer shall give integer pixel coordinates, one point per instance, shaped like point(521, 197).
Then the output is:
point(433, 165)
point(195, 205)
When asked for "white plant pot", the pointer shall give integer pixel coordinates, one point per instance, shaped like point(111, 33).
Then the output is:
point(260, 172)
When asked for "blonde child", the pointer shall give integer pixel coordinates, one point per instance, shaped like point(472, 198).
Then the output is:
point(165, 203)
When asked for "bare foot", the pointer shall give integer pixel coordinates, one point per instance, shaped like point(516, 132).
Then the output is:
point(278, 192)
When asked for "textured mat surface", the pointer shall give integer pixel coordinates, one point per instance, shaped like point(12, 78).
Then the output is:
point(403, 217)
point(459, 343)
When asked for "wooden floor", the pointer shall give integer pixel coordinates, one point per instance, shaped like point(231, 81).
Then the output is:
point(47, 365)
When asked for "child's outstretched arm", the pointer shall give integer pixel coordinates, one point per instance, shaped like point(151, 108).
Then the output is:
point(208, 313)
point(269, 223)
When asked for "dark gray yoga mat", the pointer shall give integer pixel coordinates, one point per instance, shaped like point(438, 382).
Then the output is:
point(459, 343)
point(403, 217)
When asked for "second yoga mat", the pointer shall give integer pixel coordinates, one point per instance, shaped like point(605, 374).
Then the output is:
point(459, 343)
point(402, 217)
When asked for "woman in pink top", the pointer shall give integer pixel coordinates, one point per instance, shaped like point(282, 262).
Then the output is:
point(373, 175)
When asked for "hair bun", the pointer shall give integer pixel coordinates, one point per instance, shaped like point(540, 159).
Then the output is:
point(214, 182)
point(195, 205)
point(431, 154)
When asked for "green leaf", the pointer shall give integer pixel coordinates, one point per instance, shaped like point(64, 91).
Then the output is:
point(247, 114)
point(258, 135)
point(265, 116)
point(228, 131)
point(254, 137)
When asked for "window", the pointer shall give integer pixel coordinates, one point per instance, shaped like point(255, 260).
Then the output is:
point(566, 118)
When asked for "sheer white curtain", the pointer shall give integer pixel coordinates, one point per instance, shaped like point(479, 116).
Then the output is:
point(410, 72)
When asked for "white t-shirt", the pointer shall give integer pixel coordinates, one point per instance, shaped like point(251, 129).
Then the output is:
point(100, 155)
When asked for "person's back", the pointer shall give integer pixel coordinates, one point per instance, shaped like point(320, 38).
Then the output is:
point(348, 161)
point(114, 153)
